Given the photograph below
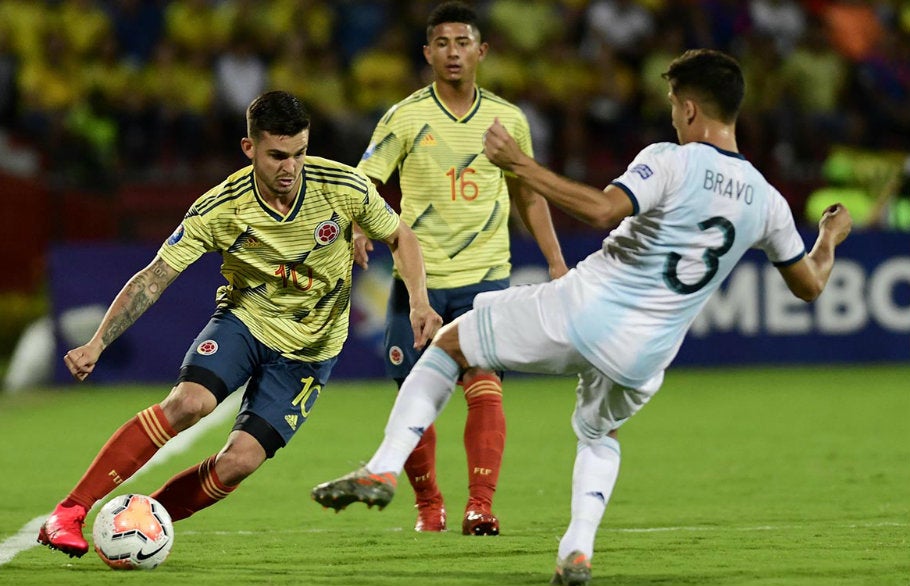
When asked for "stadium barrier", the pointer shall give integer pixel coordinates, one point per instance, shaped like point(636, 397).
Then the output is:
point(863, 316)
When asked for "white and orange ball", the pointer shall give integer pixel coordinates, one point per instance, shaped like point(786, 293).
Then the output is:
point(133, 531)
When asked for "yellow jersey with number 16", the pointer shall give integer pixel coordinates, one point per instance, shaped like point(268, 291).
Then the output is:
point(453, 198)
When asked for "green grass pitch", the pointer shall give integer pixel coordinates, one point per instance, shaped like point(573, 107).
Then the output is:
point(770, 476)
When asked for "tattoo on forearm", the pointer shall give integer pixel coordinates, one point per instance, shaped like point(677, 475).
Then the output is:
point(138, 295)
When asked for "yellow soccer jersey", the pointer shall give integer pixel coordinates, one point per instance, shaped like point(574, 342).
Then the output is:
point(452, 196)
point(288, 277)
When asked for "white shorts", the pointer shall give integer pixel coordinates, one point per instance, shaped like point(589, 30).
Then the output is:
point(524, 329)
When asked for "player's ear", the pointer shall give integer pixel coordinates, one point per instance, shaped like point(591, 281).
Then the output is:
point(482, 51)
point(426, 54)
point(691, 110)
point(246, 145)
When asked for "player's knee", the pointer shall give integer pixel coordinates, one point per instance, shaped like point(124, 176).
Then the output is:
point(596, 433)
point(235, 465)
point(447, 340)
point(603, 446)
point(186, 404)
point(474, 374)
point(446, 336)
point(241, 456)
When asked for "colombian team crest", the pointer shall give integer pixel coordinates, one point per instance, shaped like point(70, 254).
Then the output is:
point(396, 356)
point(207, 348)
point(326, 232)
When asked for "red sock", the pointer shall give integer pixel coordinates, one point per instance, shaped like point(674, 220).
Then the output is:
point(484, 436)
point(192, 490)
point(421, 467)
point(125, 452)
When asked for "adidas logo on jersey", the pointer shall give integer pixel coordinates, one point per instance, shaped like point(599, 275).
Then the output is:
point(292, 421)
point(428, 140)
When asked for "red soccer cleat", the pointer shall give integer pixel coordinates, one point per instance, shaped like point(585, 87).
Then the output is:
point(431, 515)
point(479, 521)
point(63, 530)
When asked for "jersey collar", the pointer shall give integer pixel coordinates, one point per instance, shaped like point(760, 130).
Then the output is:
point(471, 111)
point(295, 208)
point(724, 152)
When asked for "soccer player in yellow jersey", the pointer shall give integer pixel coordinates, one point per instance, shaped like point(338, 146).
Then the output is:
point(457, 203)
point(283, 227)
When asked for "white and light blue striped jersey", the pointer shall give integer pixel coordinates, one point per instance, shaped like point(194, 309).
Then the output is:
point(697, 210)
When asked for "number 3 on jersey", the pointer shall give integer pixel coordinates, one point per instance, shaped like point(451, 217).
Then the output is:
point(462, 187)
point(710, 257)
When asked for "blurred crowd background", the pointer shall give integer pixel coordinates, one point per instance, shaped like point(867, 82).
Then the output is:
point(116, 114)
point(108, 92)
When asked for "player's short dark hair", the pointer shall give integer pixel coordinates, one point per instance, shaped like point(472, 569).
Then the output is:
point(712, 78)
point(453, 11)
point(278, 113)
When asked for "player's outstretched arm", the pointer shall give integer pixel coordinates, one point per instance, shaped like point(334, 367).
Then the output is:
point(139, 293)
point(808, 277)
point(601, 209)
point(409, 261)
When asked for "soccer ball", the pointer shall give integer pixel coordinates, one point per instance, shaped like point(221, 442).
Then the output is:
point(133, 531)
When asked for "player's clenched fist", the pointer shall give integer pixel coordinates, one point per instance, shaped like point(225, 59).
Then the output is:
point(837, 220)
point(81, 361)
point(500, 147)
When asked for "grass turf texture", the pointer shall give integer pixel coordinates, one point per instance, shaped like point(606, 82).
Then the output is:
point(753, 476)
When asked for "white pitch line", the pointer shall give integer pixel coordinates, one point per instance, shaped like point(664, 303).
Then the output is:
point(25, 538)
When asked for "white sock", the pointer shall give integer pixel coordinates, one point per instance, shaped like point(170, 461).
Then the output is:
point(422, 396)
point(593, 479)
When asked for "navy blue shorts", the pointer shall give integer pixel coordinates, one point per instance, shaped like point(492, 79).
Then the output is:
point(280, 393)
point(400, 355)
